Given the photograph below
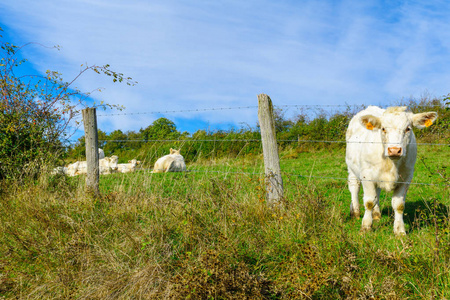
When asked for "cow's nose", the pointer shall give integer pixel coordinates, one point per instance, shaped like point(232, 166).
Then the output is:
point(394, 151)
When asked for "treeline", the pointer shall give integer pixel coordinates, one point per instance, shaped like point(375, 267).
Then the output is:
point(306, 131)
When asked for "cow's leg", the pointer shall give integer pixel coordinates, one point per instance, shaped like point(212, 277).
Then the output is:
point(398, 204)
point(376, 214)
point(354, 186)
point(370, 196)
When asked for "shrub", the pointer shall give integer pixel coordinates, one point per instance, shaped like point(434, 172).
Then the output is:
point(35, 112)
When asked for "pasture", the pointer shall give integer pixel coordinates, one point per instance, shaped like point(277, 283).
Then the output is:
point(207, 234)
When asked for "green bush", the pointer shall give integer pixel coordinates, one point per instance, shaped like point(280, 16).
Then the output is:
point(35, 112)
point(30, 129)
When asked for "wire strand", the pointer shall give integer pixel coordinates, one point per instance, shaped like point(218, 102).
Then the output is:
point(245, 107)
point(258, 140)
point(178, 111)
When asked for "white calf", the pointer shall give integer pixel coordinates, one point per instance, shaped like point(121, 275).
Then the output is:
point(173, 162)
point(381, 153)
point(129, 167)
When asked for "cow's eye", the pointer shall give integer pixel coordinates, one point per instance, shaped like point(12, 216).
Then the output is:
point(383, 129)
point(408, 129)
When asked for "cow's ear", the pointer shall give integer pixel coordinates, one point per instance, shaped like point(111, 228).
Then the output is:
point(425, 119)
point(171, 151)
point(371, 122)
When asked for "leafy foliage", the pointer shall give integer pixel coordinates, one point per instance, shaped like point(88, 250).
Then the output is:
point(35, 112)
point(161, 129)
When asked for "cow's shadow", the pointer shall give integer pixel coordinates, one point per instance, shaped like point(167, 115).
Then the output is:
point(420, 213)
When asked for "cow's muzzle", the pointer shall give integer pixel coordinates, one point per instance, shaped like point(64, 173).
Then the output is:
point(395, 151)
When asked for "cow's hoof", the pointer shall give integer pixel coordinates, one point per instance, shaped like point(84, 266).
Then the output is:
point(400, 233)
point(355, 214)
point(365, 229)
point(376, 216)
point(399, 228)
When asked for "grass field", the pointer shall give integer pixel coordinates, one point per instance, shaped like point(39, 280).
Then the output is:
point(208, 234)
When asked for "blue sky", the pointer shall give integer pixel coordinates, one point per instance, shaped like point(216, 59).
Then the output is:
point(205, 54)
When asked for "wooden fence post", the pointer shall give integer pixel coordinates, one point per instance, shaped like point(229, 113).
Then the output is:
point(91, 138)
point(274, 182)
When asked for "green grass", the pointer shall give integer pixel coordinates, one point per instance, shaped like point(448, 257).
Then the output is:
point(208, 234)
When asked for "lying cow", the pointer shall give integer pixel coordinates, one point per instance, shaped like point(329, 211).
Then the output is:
point(72, 168)
point(106, 165)
point(59, 171)
point(129, 167)
point(173, 162)
point(381, 153)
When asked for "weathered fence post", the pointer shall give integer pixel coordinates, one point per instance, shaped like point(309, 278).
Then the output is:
point(274, 182)
point(91, 137)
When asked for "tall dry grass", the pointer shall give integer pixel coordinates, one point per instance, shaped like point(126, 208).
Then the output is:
point(205, 236)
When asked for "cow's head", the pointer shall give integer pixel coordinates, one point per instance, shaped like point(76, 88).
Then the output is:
point(395, 127)
point(134, 162)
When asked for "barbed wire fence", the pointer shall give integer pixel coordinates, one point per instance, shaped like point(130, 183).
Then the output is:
point(187, 141)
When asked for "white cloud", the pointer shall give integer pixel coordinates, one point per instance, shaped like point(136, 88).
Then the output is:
point(219, 54)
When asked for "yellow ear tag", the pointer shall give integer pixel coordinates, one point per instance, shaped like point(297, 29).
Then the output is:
point(369, 126)
point(428, 123)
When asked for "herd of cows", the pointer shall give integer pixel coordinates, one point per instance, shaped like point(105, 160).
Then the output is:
point(173, 162)
point(380, 154)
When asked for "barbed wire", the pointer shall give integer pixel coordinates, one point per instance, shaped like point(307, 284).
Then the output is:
point(145, 141)
point(179, 111)
point(246, 107)
point(258, 140)
point(318, 106)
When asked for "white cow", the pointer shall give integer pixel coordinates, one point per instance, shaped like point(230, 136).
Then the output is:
point(72, 168)
point(129, 167)
point(381, 153)
point(107, 165)
point(173, 162)
point(59, 170)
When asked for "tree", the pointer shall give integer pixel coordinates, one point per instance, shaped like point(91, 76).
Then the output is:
point(161, 129)
point(35, 112)
point(116, 144)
